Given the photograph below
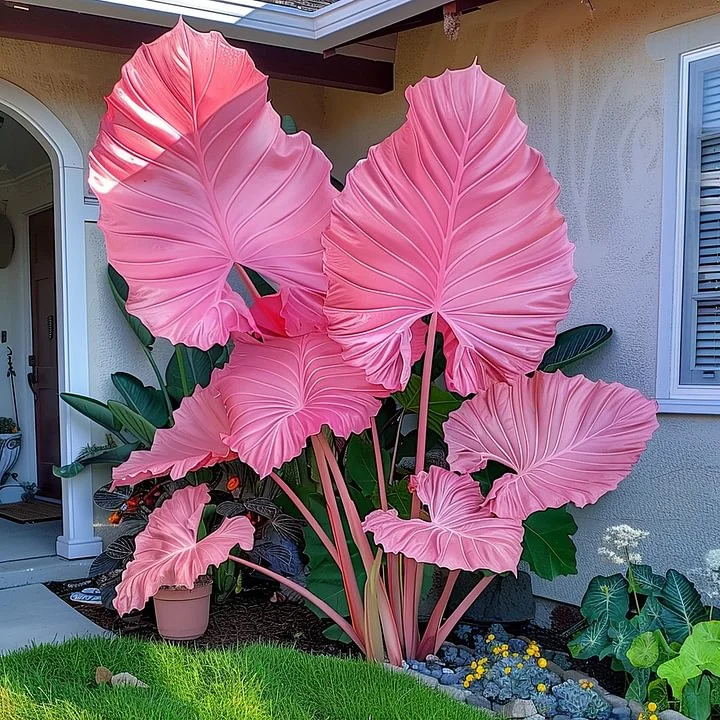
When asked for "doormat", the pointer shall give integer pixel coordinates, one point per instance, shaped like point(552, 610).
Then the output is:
point(30, 512)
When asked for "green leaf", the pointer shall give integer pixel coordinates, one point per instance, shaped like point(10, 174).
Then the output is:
point(638, 687)
point(119, 290)
point(606, 599)
point(699, 653)
point(696, 698)
point(591, 642)
point(715, 691)
point(260, 283)
point(132, 421)
point(97, 411)
point(441, 403)
point(644, 650)
point(197, 366)
point(657, 692)
point(547, 545)
point(400, 498)
point(682, 604)
point(144, 400)
point(360, 465)
point(644, 581)
point(622, 635)
point(111, 456)
point(650, 617)
point(489, 474)
point(287, 123)
point(574, 344)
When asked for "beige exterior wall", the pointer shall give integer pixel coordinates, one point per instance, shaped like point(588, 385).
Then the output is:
point(593, 99)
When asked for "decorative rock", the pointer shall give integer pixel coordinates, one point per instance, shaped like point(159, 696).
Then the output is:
point(519, 709)
point(450, 679)
point(538, 716)
point(479, 701)
point(562, 659)
point(102, 675)
point(436, 673)
point(126, 678)
point(433, 659)
point(636, 709)
point(562, 717)
point(616, 702)
point(553, 668)
point(620, 713)
point(447, 671)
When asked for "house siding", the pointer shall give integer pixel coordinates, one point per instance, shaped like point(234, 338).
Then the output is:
point(593, 100)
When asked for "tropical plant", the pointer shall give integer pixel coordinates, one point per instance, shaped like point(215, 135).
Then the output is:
point(639, 619)
point(450, 226)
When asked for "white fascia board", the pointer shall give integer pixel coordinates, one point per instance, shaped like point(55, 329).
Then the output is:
point(258, 21)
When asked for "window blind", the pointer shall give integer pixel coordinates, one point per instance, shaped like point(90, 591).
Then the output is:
point(700, 357)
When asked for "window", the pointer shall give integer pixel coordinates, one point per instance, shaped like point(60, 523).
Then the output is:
point(688, 365)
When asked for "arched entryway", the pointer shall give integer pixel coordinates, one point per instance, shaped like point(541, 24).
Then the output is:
point(70, 213)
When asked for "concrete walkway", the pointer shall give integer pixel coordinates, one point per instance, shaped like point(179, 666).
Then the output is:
point(33, 615)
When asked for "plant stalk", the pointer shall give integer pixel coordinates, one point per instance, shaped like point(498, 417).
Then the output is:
point(446, 628)
point(379, 465)
point(427, 644)
point(161, 382)
point(248, 283)
point(341, 622)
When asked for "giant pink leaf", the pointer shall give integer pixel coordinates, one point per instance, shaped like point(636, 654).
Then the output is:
point(568, 439)
point(167, 551)
point(194, 441)
point(280, 392)
point(455, 214)
point(461, 535)
point(194, 176)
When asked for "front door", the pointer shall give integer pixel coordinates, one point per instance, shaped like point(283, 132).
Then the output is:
point(44, 360)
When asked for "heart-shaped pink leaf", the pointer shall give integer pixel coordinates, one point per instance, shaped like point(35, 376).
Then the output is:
point(194, 441)
point(452, 214)
point(280, 392)
point(195, 176)
point(567, 438)
point(461, 535)
point(167, 551)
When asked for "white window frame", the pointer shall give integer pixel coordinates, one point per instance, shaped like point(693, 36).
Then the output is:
point(678, 47)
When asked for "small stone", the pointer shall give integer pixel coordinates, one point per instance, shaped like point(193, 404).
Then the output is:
point(537, 716)
point(562, 659)
point(447, 671)
point(616, 701)
point(102, 675)
point(450, 679)
point(519, 709)
point(620, 713)
point(636, 709)
point(455, 692)
point(561, 717)
point(479, 701)
point(433, 659)
point(671, 715)
point(553, 668)
point(437, 673)
point(424, 679)
point(126, 678)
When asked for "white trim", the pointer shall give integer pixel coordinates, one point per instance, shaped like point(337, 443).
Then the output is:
point(678, 46)
point(78, 539)
point(258, 21)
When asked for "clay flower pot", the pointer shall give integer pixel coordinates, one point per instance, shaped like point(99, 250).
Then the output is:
point(183, 614)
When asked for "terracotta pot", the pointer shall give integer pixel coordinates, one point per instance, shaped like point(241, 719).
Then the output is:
point(183, 614)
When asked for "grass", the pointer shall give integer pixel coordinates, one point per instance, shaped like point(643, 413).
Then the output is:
point(256, 682)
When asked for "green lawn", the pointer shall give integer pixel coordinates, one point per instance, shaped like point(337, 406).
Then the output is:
point(56, 682)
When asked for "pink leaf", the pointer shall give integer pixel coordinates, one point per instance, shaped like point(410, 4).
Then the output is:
point(267, 313)
point(460, 534)
point(195, 175)
point(280, 392)
point(453, 213)
point(167, 551)
point(194, 442)
point(567, 438)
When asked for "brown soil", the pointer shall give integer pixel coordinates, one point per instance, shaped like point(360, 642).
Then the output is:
point(246, 618)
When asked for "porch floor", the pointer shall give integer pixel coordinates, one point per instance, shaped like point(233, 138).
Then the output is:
point(31, 540)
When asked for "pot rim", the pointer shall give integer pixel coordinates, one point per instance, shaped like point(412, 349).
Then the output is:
point(202, 581)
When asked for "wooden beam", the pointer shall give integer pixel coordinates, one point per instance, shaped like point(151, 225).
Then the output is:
point(62, 27)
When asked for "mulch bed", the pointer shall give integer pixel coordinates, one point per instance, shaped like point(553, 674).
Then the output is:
point(248, 617)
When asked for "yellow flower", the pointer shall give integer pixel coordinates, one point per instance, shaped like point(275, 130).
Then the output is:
point(473, 664)
point(526, 656)
point(483, 661)
point(505, 653)
point(504, 646)
point(496, 651)
point(507, 670)
point(653, 717)
point(466, 684)
point(641, 716)
point(542, 662)
point(652, 707)
point(516, 654)
point(541, 687)
point(490, 638)
point(519, 666)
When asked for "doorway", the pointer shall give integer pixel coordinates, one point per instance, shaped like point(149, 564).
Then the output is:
point(43, 361)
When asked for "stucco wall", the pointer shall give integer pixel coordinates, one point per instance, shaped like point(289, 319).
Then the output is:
point(72, 84)
point(593, 100)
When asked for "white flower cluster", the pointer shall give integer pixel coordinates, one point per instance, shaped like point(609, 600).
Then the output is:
point(707, 580)
point(621, 543)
